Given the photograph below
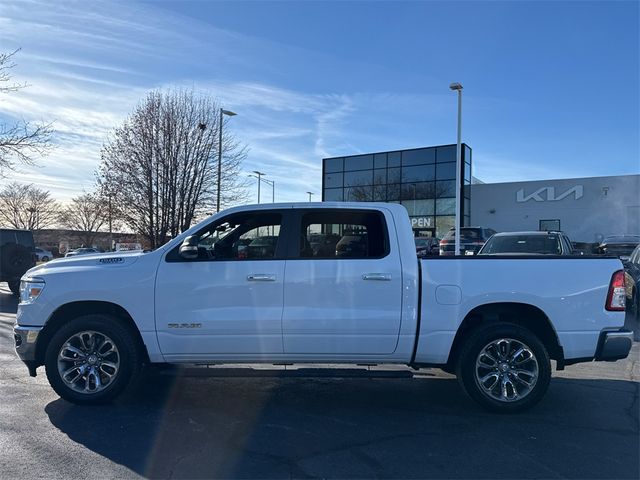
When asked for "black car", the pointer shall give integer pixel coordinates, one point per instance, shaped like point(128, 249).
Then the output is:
point(427, 246)
point(528, 243)
point(632, 281)
point(471, 240)
point(17, 255)
point(353, 245)
point(619, 245)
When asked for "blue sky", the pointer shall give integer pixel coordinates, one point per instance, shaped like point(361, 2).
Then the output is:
point(551, 88)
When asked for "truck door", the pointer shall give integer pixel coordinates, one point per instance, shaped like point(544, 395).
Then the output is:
point(228, 300)
point(343, 293)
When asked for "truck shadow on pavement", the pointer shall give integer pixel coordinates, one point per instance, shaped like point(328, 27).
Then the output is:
point(192, 424)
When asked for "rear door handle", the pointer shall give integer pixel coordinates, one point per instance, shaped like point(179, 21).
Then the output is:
point(377, 276)
point(261, 277)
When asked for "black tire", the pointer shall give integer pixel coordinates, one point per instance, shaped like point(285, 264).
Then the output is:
point(470, 352)
point(128, 355)
point(44, 259)
point(14, 286)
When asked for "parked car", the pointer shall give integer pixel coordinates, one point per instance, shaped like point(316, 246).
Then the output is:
point(17, 255)
point(632, 281)
point(493, 322)
point(427, 246)
point(471, 240)
point(43, 255)
point(262, 247)
point(528, 243)
point(82, 251)
point(354, 245)
point(323, 245)
point(619, 245)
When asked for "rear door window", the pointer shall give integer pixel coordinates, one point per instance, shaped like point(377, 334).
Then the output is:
point(342, 234)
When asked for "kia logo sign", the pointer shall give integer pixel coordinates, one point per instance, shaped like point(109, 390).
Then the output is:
point(548, 194)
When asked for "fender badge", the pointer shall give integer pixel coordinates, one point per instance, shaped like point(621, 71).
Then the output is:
point(184, 325)
point(111, 260)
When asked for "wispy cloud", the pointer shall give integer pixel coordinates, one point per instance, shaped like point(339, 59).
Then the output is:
point(89, 65)
point(500, 168)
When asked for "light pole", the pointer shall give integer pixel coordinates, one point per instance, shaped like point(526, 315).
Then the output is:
point(268, 182)
point(310, 193)
point(259, 175)
point(458, 87)
point(273, 189)
point(222, 114)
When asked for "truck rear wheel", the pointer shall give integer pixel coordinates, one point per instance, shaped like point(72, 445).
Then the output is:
point(92, 359)
point(504, 367)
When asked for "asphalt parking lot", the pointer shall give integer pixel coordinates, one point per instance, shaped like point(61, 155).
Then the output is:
point(255, 423)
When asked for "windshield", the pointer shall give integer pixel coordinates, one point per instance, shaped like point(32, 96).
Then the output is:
point(524, 244)
point(466, 234)
point(622, 239)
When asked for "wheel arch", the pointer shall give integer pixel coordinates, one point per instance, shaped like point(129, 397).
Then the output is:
point(69, 311)
point(522, 314)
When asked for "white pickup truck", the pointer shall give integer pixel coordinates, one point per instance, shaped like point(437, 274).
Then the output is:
point(329, 283)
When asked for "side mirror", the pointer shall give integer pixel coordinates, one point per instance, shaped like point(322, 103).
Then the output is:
point(189, 248)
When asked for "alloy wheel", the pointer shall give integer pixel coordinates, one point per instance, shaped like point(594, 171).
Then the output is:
point(506, 370)
point(88, 362)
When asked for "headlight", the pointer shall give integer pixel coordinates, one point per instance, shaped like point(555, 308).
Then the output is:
point(30, 289)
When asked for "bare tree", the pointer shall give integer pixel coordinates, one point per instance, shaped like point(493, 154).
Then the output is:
point(159, 167)
point(27, 207)
point(87, 214)
point(22, 141)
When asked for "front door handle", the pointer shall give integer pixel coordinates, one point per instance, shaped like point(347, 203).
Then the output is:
point(377, 276)
point(261, 277)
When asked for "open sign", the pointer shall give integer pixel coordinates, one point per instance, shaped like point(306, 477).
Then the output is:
point(421, 222)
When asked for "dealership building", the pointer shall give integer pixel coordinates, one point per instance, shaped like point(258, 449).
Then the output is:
point(587, 209)
point(421, 179)
point(424, 181)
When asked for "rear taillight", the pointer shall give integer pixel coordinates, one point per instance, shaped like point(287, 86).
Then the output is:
point(616, 298)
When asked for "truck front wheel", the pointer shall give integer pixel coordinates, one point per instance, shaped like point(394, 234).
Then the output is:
point(504, 367)
point(92, 359)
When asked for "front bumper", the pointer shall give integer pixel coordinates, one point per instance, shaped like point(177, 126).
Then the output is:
point(25, 342)
point(614, 345)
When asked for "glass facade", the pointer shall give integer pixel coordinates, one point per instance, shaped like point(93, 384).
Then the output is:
point(423, 180)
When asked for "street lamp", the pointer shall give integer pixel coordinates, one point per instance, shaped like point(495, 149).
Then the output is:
point(268, 182)
point(273, 189)
point(259, 175)
point(222, 113)
point(310, 193)
point(458, 87)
